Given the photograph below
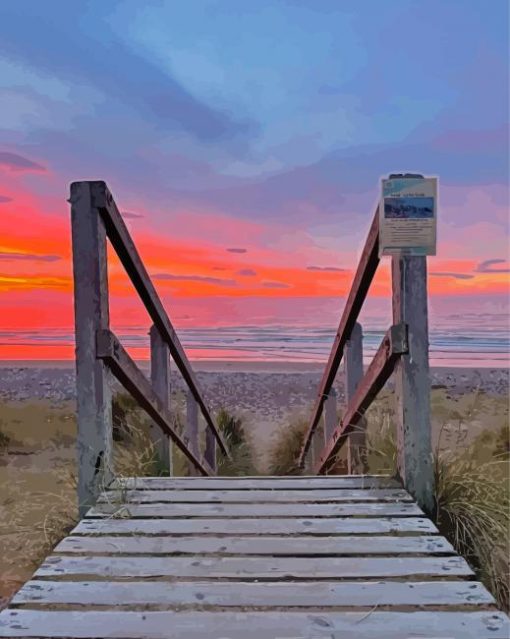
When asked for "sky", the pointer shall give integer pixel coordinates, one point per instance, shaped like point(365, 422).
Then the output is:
point(244, 143)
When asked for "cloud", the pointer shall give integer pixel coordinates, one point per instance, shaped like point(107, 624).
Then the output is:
point(15, 162)
point(457, 276)
point(246, 272)
point(326, 268)
point(5, 198)
point(92, 53)
point(219, 268)
point(29, 257)
point(275, 285)
point(194, 278)
point(131, 216)
point(486, 267)
point(237, 250)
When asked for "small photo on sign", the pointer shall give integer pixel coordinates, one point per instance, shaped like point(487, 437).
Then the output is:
point(408, 207)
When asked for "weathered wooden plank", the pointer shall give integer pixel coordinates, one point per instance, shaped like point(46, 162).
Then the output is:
point(126, 250)
point(292, 546)
point(412, 380)
point(91, 313)
point(131, 377)
point(257, 496)
point(249, 483)
point(160, 379)
point(224, 526)
point(247, 568)
point(255, 625)
point(365, 272)
point(250, 594)
point(392, 346)
point(198, 510)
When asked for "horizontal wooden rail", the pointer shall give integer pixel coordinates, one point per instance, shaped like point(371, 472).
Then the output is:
point(362, 280)
point(125, 248)
point(393, 345)
point(132, 378)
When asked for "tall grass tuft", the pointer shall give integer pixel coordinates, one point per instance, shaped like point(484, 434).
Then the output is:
point(284, 454)
point(242, 463)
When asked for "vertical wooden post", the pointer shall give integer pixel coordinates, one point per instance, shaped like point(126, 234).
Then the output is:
point(356, 442)
point(93, 392)
point(192, 428)
point(210, 448)
point(330, 417)
point(412, 380)
point(160, 378)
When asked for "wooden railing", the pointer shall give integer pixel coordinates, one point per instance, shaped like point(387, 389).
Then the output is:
point(99, 353)
point(403, 351)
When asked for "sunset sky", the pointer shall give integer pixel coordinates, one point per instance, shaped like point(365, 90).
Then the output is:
point(244, 143)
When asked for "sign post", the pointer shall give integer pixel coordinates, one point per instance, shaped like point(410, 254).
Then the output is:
point(408, 216)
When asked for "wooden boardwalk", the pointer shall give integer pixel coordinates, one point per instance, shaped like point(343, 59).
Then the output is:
point(254, 558)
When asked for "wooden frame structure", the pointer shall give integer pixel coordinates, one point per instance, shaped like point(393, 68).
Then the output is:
point(403, 351)
point(99, 353)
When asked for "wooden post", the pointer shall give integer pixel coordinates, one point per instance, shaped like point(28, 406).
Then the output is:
point(192, 428)
point(160, 379)
point(93, 392)
point(210, 448)
point(412, 380)
point(330, 417)
point(356, 442)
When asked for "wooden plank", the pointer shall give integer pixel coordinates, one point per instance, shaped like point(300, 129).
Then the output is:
point(126, 250)
point(160, 380)
point(256, 496)
point(250, 594)
point(248, 568)
point(356, 442)
point(131, 377)
point(198, 510)
point(254, 625)
point(210, 448)
point(365, 272)
point(292, 546)
point(191, 432)
point(392, 346)
point(91, 313)
point(412, 380)
point(249, 483)
point(224, 526)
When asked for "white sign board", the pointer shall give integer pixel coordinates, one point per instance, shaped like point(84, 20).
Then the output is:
point(408, 216)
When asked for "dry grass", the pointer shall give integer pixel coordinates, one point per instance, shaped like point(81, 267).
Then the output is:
point(284, 454)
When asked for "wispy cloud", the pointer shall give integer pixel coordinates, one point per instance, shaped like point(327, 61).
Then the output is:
point(194, 278)
point(326, 268)
point(275, 285)
point(28, 257)
point(15, 162)
point(4, 199)
point(457, 276)
point(486, 266)
point(131, 216)
point(246, 272)
point(237, 250)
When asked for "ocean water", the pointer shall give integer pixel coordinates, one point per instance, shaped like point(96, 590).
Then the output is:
point(460, 346)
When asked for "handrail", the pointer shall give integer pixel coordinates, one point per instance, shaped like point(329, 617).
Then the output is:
point(363, 278)
point(118, 234)
point(95, 218)
point(403, 351)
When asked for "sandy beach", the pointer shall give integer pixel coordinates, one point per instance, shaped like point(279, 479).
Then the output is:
point(266, 394)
